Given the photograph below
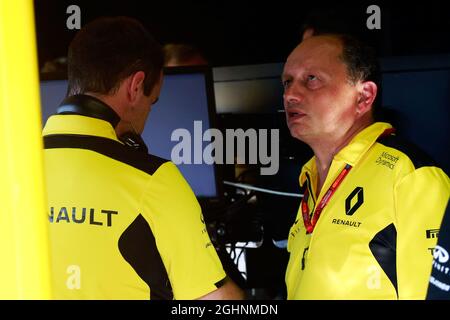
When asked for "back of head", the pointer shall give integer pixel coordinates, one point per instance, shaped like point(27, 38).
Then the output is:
point(108, 50)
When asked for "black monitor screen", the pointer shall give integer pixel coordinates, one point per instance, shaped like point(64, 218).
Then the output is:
point(186, 96)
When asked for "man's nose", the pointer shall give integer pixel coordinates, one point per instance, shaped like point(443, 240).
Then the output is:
point(293, 94)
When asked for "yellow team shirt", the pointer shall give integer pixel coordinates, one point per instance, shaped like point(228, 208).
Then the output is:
point(374, 239)
point(123, 224)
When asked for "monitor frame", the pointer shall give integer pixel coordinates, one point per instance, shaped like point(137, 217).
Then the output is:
point(211, 102)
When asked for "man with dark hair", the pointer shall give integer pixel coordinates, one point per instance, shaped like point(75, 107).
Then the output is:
point(372, 202)
point(123, 224)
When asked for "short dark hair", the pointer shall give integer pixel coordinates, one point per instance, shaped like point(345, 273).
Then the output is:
point(107, 50)
point(361, 61)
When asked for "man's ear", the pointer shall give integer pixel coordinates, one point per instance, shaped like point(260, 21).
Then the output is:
point(367, 95)
point(135, 84)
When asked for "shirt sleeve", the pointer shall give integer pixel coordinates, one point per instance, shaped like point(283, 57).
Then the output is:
point(420, 201)
point(175, 216)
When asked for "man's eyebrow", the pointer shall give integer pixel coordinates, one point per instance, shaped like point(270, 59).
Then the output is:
point(313, 69)
point(318, 70)
point(285, 75)
point(306, 70)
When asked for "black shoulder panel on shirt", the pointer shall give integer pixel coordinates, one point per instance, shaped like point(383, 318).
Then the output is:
point(107, 147)
point(383, 247)
point(138, 247)
point(440, 278)
point(418, 157)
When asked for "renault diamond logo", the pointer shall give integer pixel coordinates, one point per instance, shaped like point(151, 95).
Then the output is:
point(349, 208)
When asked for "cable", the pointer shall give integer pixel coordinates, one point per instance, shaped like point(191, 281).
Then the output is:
point(249, 187)
point(240, 253)
point(232, 253)
point(243, 272)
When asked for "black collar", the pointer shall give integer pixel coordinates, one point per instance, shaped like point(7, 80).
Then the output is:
point(88, 106)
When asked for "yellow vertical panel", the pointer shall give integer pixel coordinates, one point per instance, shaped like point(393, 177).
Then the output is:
point(24, 266)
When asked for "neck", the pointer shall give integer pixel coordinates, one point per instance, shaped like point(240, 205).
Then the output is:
point(114, 103)
point(111, 101)
point(326, 149)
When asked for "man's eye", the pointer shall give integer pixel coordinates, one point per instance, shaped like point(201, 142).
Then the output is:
point(286, 83)
point(311, 77)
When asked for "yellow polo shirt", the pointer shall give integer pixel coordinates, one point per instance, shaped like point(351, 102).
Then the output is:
point(123, 224)
point(374, 238)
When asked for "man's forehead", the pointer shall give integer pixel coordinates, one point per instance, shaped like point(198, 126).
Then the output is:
point(315, 50)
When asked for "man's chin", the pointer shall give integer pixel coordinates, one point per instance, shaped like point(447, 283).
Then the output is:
point(298, 133)
point(296, 130)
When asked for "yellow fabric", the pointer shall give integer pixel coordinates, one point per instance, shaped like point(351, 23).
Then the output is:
point(86, 260)
point(24, 272)
point(338, 262)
